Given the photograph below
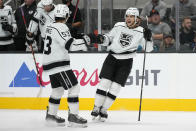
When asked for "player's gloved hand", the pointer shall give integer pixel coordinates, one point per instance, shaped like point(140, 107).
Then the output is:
point(147, 34)
point(69, 25)
point(34, 46)
point(87, 40)
point(96, 38)
point(29, 38)
point(7, 27)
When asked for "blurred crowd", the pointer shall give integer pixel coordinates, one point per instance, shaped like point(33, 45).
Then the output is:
point(161, 20)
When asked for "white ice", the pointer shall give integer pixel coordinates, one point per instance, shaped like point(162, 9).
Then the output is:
point(33, 120)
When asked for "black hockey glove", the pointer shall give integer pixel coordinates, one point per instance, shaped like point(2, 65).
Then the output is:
point(87, 40)
point(96, 39)
point(147, 34)
point(7, 27)
point(69, 25)
point(29, 38)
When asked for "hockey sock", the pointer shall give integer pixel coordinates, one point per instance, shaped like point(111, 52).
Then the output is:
point(73, 100)
point(100, 97)
point(109, 100)
point(54, 100)
point(53, 106)
point(101, 92)
point(111, 95)
point(73, 103)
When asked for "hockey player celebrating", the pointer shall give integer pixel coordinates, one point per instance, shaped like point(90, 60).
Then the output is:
point(41, 18)
point(7, 28)
point(56, 63)
point(122, 42)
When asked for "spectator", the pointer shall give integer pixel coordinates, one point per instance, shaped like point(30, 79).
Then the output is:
point(158, 29)
point(7, 28)
point(28, 9)
point(168, 43)
point(73, 24)
point(158, 5)
point(187, 34)
point(43, 16)
point(186, 8)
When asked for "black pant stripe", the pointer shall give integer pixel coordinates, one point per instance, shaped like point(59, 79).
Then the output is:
point(113, 97)
point(101, 92)
point(54, 101)
point(73, 99)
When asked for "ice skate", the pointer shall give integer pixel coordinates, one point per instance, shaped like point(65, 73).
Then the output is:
point(76, 121)
point(52, 120)
point(103, 115)
point(95, 112)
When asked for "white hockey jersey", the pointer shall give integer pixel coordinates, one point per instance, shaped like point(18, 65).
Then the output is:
point(125, 41)
point(7, 16)
point(58, 42)
point(41, 18)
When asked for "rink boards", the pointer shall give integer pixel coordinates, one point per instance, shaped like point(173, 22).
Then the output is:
point(169, 82)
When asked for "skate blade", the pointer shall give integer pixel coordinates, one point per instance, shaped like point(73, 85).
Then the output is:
point(75, 125)
point(101, 119)
point(53, 124)
point(94, 117)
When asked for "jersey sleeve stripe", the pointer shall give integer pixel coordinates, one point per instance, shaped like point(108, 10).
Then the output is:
point(35, 19)
point(68, 44)
point(30, 26)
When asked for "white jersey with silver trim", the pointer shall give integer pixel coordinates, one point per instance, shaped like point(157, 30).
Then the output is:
point(41, 19)
point(124, 39)
point(58, 41)
point(7, 16)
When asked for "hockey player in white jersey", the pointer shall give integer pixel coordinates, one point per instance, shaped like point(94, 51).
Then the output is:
point(42, 17)
point(56, 63)
point(122, 42)
point(7, 27)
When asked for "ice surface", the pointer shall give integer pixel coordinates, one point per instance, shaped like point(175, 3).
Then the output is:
point(33, 120)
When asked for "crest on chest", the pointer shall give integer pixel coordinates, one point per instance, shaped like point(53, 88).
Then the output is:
point(125, 39)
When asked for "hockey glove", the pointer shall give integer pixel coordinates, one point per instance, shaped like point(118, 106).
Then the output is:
point(7, 27)
point(34, 46)
point(29, 38)
point(96, 39)
point(147, 34)
point(87, 40)
point(69, 25)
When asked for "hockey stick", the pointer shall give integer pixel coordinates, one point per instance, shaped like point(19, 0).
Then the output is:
point(75, 12)
point(7, 2)
point(32, 51)
point(143, 70)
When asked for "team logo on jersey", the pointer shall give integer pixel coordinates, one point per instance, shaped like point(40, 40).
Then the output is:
point(27, 78)
point(125, 39)
point(30, 12)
